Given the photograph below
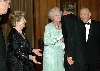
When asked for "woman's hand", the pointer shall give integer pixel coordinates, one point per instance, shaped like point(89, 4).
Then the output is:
point(37, 52)
point(34, 60)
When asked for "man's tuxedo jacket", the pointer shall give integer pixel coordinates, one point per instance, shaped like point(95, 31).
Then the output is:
point(2, 52)
point(73, 30)
point(93, 42)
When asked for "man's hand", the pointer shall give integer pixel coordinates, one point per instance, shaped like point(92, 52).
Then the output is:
point(70, 61)
point(37, 52)
point(34, 60)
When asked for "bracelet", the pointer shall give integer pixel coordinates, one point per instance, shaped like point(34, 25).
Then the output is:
point(30, 57)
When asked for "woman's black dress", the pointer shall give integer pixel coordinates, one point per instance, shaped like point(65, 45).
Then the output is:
point(18, 51)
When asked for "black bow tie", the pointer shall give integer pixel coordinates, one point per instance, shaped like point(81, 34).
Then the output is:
point(87, 23)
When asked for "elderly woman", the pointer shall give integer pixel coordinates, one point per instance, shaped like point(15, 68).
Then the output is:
point(19, 54)
point(53, 43)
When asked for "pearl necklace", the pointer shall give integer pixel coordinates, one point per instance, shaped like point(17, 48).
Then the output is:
point(57, 26)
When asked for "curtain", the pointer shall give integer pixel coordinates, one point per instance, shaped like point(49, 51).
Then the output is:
point(27, 7)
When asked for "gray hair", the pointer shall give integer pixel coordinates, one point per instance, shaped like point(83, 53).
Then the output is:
point(51, 12)
point(69, 8)
point(86, 9)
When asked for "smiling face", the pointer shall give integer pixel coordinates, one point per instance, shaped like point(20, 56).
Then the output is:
point(85, 15)
point(4, 5)
point(21, 23)
point(56, 16)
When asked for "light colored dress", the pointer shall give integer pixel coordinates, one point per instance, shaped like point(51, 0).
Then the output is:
point(53, 55)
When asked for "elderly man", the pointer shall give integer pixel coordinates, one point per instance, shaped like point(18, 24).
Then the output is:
point(92, 38)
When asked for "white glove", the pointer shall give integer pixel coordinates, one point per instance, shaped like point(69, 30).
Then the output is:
point(59, 37)
point(63, 46)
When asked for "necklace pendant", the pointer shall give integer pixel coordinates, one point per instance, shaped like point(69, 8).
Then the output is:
point(57, 26)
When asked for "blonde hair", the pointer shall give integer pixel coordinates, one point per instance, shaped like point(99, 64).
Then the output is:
point(16, 16)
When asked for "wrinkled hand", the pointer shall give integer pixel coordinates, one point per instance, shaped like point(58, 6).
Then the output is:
point(34, 60)
point(70, 61)
point(37, 52)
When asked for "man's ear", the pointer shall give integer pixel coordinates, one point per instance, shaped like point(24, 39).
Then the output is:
point(89, 14)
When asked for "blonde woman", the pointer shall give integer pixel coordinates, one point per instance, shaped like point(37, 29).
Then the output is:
point(19, 54)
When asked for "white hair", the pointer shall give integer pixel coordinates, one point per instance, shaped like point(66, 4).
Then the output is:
point(86, 9)
point(52, 11)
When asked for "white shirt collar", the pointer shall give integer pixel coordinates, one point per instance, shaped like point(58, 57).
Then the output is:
point(89, 21)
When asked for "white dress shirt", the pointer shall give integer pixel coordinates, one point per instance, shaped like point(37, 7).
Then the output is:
point(87, 29)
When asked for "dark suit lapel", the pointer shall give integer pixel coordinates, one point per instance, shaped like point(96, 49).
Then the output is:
point(92, 28)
